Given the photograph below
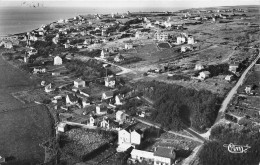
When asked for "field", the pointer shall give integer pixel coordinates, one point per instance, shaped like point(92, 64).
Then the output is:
point(23, 126)
point(31, 95)
point(164, 45)
point(22, 130)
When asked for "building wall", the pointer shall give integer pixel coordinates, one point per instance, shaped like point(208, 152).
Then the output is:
point(135, 138)
point(123, 137)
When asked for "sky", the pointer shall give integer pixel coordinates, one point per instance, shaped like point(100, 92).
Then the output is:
point(135, 3)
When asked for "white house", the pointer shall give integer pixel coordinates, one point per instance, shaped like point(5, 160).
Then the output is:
point(107, 95)
point(185, 48)
point(203, 75)
point(181, 40)
point(199, 67)
point(119, 58)
point(71, 99)
point(62, 127)
point(66, 45)
point(48, 88)
point(190, 40)
point(136, 137)
point(78, 83)
point(101, 109)
point(110, 82)
point(161, 36)
point(229, 77)
point(85, 102)
point(140, 155)
point(233, 67)
point(39, 70)
point(129, 46)
point(118, 99)
point(248, 89)
point(167, 24)
point(127, 139)
point(161, 155)
point(104, 123)
point(8, 45)
point(57, 60)
point(120, 116)
point(138, 34)
point(104, 54)
point(55, 40)
point(124, 137)
point(32, 51)
point(91, 120)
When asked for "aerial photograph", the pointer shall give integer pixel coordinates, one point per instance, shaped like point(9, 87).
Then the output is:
point(130, 82)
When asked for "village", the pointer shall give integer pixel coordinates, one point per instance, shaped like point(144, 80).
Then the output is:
point(87, 68)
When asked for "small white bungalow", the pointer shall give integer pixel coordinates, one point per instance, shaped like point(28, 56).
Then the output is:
point(110, 81)
point(62, 127)
point(203, 75)
point(57, 60)
point(129, 46)
point(71, 99)
point(107, 95)
point(79, 83)
point(119, 58)
point(118, 99)
point(48, 88)
point(199, 67)
point(120, 116)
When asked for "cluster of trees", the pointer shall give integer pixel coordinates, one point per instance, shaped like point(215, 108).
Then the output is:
point(44, 48)
point(125, 27)
point(131, 106)
point(213, 152)
point(177, 107)
point(87, 70)
point(92, 54)
point(76, 41)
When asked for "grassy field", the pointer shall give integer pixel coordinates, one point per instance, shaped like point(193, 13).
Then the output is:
point(22, 126)
point(22, 130)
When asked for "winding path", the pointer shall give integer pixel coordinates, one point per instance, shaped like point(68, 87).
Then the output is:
point(229, 97)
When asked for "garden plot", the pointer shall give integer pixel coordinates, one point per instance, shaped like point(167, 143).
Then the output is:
point(80, 142)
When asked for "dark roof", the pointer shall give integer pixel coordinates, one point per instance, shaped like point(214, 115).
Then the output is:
point(167, 152)
point(109, 78)
point(72, 97)
point(85, 90)
point(139, 131)
point(109, 93)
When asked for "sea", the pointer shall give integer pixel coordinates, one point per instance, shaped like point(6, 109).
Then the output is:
point(15, 20)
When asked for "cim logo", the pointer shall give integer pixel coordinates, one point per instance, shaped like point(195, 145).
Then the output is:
point(236, 148)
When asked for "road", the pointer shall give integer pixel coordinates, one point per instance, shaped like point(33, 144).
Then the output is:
point(172, 132)
point(124, 70)
point(229, 97)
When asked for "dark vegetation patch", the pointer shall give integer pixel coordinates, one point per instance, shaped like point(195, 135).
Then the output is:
point(87, 70)
point(177, 107)
point(214, 153)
